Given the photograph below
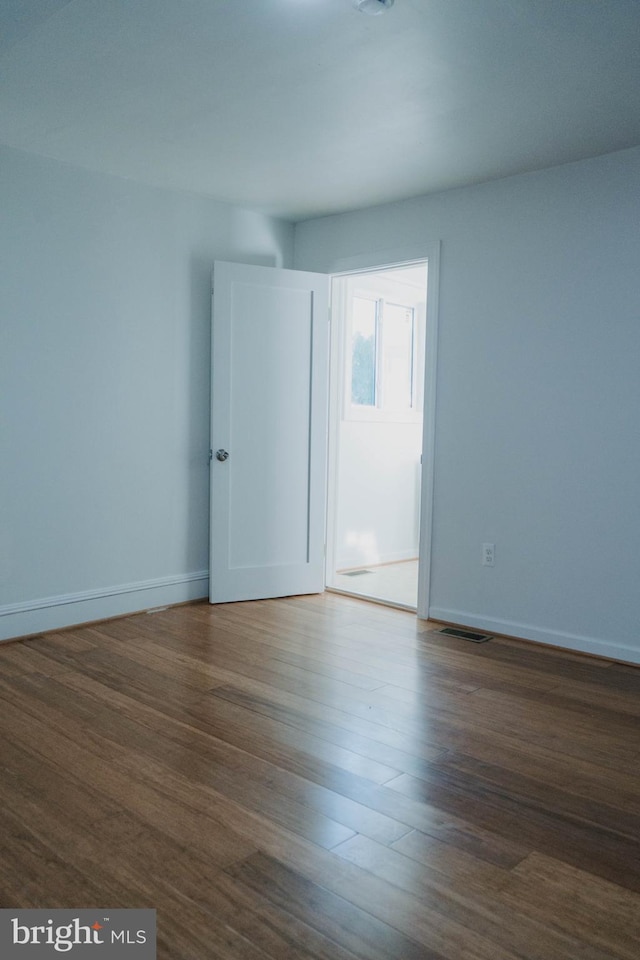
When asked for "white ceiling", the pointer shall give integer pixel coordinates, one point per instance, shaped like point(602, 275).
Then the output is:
point(307, 107)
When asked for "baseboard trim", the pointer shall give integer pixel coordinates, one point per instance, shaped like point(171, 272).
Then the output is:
point(596, 646)
point(70, 609)
point(357, 563)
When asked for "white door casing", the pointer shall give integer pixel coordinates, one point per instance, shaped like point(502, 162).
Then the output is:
point(383, 260)
point(269, 413)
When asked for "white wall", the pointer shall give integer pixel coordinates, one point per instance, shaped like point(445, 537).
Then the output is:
point(378, 515)
point(538, 395)
point(104, 388)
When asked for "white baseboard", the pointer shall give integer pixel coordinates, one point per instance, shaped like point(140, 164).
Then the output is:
point(70, 609)
point(352, 563)
point(597, 646)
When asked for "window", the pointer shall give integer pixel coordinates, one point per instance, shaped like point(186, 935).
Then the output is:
point(384, 355)
point(364, 342)
point(396, 361)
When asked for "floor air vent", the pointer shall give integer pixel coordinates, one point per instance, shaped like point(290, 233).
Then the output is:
point(354, 573)
point(465, 634)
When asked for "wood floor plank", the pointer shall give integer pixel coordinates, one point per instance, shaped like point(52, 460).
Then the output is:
point(524, 789)
point(574, 900)
point(400, 911)
point(172, 742)
point(582, 777)
point(319, 778)
point(350, 926)
point(282, 742)
point(34, 875)
point(270, 927)
point(605, 851)
point(588, 693)
point(382, 673)
point(17, 660)
point(606, 735)
point(460, 869)
point(234, 775)
point(475, 901)
point(338, 730)
point(96, 759)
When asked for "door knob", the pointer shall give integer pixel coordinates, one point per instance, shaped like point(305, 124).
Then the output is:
point(222, 455)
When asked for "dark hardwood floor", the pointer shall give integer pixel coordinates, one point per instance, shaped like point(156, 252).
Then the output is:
point(318, 777)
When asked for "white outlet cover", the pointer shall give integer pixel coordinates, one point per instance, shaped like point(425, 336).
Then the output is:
point(488, 554)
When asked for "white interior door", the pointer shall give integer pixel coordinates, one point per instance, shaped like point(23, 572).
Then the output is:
point(269, 370)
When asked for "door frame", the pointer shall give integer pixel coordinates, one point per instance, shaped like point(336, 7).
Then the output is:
point(372, 263)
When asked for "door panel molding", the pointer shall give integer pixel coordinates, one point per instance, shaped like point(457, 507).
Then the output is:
point(268, 411)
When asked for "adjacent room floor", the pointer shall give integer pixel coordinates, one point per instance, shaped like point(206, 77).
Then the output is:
point(395, 583)
point(320, 778)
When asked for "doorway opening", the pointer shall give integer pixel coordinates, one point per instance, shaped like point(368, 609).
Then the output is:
point(377, 399)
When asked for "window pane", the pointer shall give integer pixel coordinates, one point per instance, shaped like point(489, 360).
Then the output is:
point(397, 357)
point(363, 352)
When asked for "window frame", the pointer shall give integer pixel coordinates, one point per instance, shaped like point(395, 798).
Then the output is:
point(397, 294)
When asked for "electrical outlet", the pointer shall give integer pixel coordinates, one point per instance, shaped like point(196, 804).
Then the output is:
point(488, 554)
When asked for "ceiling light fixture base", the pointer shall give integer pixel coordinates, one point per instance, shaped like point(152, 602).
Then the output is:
point(373, 7)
